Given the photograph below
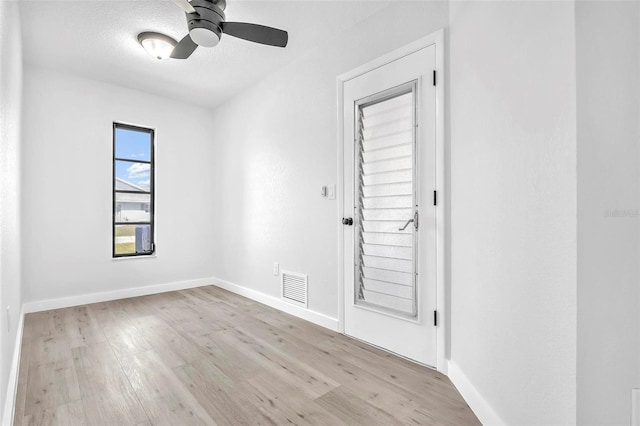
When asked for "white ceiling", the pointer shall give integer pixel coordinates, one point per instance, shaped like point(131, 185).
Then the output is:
point(97, 39)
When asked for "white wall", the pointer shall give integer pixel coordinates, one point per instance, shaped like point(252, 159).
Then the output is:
point(275, 146)
point(513, 178)
point(67, 151)
point(513, 207)
point(10, 110)
point(254, 166)
point(608, 81)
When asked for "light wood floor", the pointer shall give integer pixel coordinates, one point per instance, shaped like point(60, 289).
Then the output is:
point(207, 356)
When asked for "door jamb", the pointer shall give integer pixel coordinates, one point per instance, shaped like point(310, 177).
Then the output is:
point(437, 39)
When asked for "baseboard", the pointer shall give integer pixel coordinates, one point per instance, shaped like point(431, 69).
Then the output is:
point(12, 385)
point(274, 302)
point(65, 302)
point(481, 408)
point(298, 311)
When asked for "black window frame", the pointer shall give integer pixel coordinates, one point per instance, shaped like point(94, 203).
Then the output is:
point(151, 192)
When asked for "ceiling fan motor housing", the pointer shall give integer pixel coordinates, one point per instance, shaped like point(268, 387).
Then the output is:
point(205, 26)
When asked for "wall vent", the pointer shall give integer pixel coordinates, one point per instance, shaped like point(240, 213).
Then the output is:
point(294, 287)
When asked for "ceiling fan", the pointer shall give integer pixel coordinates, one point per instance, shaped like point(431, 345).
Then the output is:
point(206, 21)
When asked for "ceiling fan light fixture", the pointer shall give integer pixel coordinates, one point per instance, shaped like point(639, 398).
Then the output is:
point(157, 45)
point(204, 37)
point(206, 22)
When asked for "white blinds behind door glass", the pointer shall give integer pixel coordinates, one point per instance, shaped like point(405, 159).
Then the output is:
point(385, 202)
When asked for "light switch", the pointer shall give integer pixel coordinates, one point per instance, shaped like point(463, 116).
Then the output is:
point(331, 192)
point(323, 191)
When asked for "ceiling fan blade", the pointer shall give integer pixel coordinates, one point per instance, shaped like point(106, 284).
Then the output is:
point(184, 48)
point(256, 33)
point(185, 5)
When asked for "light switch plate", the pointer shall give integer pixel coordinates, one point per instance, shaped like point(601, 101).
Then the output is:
point(276, 269)
point(331, 192)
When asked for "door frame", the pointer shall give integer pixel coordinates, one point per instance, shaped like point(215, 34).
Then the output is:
point(437, 39)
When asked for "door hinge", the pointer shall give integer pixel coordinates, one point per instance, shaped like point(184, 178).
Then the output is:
point(435, 198)
point(434, 77)
point(435, 318)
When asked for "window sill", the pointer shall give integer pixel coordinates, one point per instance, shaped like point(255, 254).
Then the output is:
point(144, 256)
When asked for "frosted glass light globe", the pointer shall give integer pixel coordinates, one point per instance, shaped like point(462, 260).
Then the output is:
point(204, 37)
point(157, 45)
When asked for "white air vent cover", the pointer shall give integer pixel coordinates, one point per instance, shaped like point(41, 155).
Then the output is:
point(294, 287)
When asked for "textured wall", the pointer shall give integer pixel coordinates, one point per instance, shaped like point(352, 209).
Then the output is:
point(513, 206)
point(67, 244)
point(10, 145)
point(608, 76)
point(276, 146)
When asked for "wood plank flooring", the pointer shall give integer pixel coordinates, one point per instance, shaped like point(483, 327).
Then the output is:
point(208, 356)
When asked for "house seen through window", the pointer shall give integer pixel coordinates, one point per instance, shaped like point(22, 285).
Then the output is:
point(133, 191)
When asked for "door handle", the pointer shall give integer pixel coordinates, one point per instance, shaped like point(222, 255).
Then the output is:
point(414, 220)
point(405, 225)
point(347, 221)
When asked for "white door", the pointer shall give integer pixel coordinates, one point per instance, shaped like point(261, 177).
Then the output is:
point(389, 183)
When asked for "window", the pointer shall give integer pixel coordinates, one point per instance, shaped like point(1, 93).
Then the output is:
point(133, 189)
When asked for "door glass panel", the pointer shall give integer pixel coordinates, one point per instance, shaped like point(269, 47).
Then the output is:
point(385, 163)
